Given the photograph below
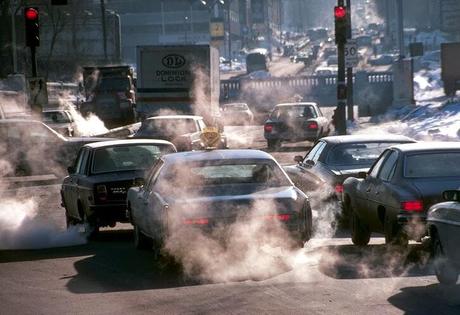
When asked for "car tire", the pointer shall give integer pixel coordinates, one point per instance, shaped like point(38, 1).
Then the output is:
point(274, 145)
point(360, 233)
point(445, 271)
point(308, 225)
point(140, 240)
point(394, 235)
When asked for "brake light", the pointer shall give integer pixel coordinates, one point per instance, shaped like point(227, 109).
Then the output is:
point(412, 205)
point(280, 217)
point(339, 188)
point(268, 128)
point(199, 221)
point(101, 191)
point(312, 125)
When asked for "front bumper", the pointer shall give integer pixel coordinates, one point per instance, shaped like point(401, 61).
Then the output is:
point(108, 214)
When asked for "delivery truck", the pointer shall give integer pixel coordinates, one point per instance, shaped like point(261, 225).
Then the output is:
point(179, 79)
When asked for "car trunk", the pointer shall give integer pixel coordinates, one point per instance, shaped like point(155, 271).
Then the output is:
point(431, 189)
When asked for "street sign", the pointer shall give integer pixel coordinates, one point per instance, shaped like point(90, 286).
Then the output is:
point(351, 54)
point(217, 30)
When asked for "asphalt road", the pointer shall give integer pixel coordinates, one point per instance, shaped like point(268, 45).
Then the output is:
point(108, 276)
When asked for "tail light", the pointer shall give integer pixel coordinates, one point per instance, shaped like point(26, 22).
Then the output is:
point(101, 192)
point(268, 128)
point(312, 125)
point(412, 205)
point(280, 217)
point(339, 188)
point(199, 221)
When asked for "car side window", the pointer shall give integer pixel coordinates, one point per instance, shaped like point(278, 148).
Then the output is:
point(84, 161)
point(201, 125)
point(388, 167)
point(374, 171)
point(319, 151)
point(154, 175)
point(312, 152)
point(79, 160)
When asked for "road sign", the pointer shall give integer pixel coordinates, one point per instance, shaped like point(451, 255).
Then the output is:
point(351, 54)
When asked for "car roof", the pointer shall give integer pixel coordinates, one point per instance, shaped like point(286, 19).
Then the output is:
point(297, 104)
point(54, 110)
point(18, 120)
point(427, 146)
point(367, 138)
point(110, 143)
point(175, 117)
point(233, 154)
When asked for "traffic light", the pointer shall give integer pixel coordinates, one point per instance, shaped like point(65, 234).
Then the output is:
point(340, 16)
point(31, 16)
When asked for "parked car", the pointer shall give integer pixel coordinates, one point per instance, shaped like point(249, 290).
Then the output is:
point(95, 191)
point(295, 122)
point(394, 196)
point(237, 114)
point(334, 159)
point(60, 120)
point(207, 189)
point(443, 222)
point(182, 130)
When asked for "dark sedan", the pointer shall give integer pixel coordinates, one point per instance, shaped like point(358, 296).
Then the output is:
point(95, 191)
point(295, 122)
point(333, 159)
point(394, 196)
point(210, 189)
point(444, 229)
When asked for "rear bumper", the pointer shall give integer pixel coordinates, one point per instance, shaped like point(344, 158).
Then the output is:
point(288, 136)
point(405, 219)
point(110, 213)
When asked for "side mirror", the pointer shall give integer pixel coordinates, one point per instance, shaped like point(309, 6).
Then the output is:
point(298, 159)
point(362, 175)
point(71, 170)
point(139, 182)
point(451, 195)
point(309, 163)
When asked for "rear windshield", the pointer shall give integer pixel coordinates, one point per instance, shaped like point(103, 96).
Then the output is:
point(428, 165)
point(114, 84)
point(306, 111)
point(127, 157)
point(359, 154)
point(55, 117)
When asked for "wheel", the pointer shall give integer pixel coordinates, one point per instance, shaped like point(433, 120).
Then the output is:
point(140, 240)
point(360, 233)
point(444, 270)
point(308, 225)
point(274, 144)
point(394, 235)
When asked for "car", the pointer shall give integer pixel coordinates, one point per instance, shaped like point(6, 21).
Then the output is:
point(95, 191)
point(393, 197)
point(333, 159)
point(182, 130)
point(382, 60)
point(332, 60)
point(295, 122)
point(443, 224)
point(208, 189)
point(237, 113)
point(60, 120)
point(33, 148)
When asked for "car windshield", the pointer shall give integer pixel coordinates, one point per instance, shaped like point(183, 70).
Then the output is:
point(211, 173)
point(127, 157)
point(286, 112)
point(428, 165)
point(114, 84)
point(168, 127)
point(55, 117)
point(359, 154)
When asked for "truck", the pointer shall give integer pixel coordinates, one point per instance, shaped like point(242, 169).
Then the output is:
point(450, 67)
point(110, 94)
point(178, 79)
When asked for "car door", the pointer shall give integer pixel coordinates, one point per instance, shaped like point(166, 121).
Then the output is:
point(380, 195)
point(309, 168)
point(70, 185)
point(367, 190)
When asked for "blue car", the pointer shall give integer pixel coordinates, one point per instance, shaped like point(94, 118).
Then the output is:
point(211, 190)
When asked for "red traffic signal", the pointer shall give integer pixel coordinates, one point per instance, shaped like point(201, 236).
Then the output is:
point(31, 14)
point(340, 12)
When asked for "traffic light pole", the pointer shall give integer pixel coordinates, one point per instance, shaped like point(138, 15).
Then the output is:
point(341, 124)
point(350, 101)
point(33, 58)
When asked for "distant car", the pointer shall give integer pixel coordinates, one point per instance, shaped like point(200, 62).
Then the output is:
point(295, 122)
point(33, 148)
point(60, 120)
point(332, 60)
point(182, 130)
point(210, 189)
point(382, 60)
point(443, 224)
point(394, 196)
point(326, 71)
point(237, 114)
point(334, 159)
point(95, 191)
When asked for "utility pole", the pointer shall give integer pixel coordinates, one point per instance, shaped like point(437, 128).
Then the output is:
point(350, 101)
point(401, 29)
point(229, 23)
point(104, 31)
point(340, 15)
